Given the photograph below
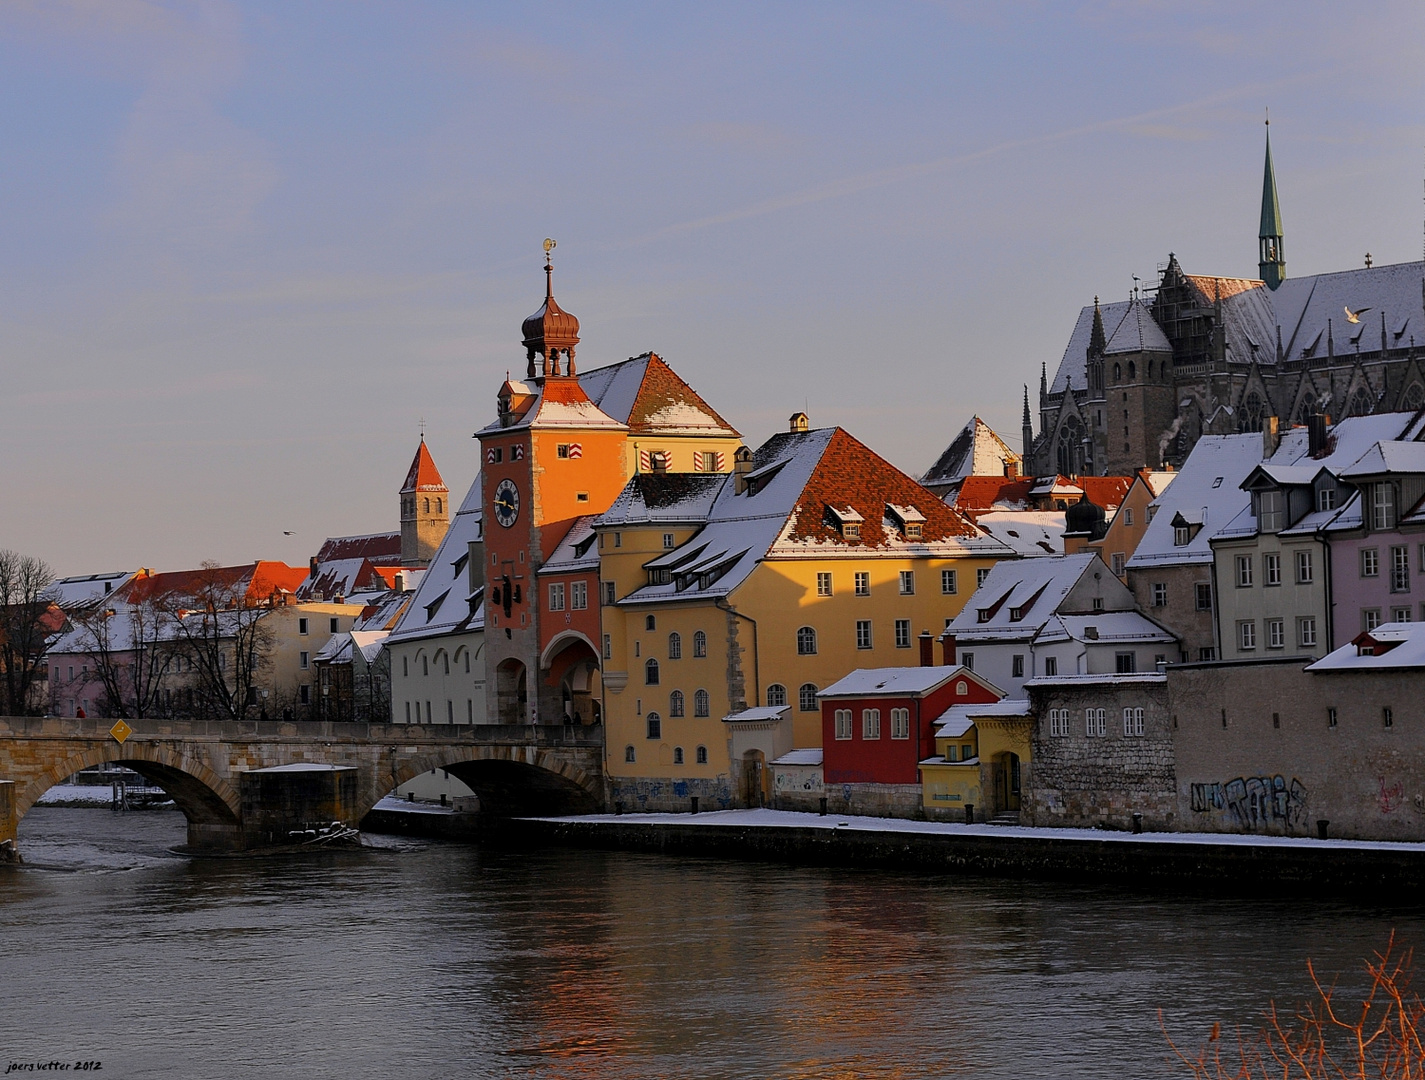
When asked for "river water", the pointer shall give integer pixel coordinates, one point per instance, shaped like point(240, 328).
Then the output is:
point(433, 960)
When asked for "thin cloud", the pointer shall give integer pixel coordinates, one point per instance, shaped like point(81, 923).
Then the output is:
point(879, 178)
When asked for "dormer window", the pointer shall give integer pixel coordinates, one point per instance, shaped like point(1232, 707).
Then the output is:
point(846, 520)
point(1016, 614)
point(1383, 505)
point(908, 519)
point(1269, 511)
point(985, 614)
point(1182, 536)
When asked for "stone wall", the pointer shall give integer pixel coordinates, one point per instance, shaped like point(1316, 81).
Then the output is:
point(650, 796)
point(1257, 751)
point(875, 800)
point(1083, 781)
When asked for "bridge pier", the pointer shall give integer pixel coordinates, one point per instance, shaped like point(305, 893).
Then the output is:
point(284, 798)
point(9, 822)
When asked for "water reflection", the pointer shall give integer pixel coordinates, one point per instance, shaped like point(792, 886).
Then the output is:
point(429, 960)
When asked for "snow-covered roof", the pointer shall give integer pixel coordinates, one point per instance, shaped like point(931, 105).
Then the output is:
point(1207, 491)
point(1303, 305)
point(1136, 332)
point(782, 512)
point(1027, 532)
point(1393, 456)
point(647, 395)
point(443, 602)
point(892, 681)
point(1112, 627)
point(578, 551)
point(1287, 475)
point(959, 719)
point(804, 757)
point(975, 451)
point(1101, 679)
point(758, 714)
point(1158, 480)
point(1021, 596)
point(1388, 646)
point(72, 593)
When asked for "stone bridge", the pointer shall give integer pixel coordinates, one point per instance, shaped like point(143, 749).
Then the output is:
point(244, 784)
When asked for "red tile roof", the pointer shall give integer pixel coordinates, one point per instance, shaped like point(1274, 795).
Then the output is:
point(661, 388)
point(380, 549)
point(849, 473)
point(257, 582)
point(424, 476)
point(982, 492)
point(1105, 491)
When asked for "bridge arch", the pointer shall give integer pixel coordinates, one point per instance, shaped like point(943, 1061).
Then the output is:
point(510, 780)
point(208, 801)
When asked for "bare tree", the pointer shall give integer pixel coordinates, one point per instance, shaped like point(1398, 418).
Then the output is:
point(223, 636)
point(24, 607)
point(132, 649)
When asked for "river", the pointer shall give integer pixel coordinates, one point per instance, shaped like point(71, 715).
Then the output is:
point(432, 960)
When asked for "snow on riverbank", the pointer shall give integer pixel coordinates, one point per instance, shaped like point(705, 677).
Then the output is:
point(788, 819)
point(82, 795)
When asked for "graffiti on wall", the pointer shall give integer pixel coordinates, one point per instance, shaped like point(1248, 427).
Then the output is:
point(1390, 796)
point(1255, 803)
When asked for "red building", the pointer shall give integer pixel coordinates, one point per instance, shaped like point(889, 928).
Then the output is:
point(878, 724)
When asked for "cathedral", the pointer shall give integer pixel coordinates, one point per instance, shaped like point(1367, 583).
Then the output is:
point(1143, 379)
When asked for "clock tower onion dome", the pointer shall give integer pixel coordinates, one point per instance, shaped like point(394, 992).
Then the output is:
point(551, 332)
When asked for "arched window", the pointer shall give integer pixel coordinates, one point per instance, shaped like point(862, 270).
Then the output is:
point(1307, 408)
point(675, 646)
point(700, 643)
point(1150, 369)
point(675, 703)
point(655, 726)
point(700, 703)
point(650, 673)
point(1117, 372)
point(1361, 404)
point(438, 507)
point(1253, 413)
point(1132, 370)
point(806, 641)
point(445, 659)
point(628, 754)
point(467, 661)
point(806, 697)
point(702, 755)
point(1070, 447)
point(427, 505)
point(677, 755)
point(776, 694)
point(425, 664)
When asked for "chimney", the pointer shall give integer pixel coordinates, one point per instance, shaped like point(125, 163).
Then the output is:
point(927, 649)
point(947, 645)
point(1271, 436)
point(741, 466)
point(312, 567)
point(658, 463)
point(1316, 434)
point(1011, 470)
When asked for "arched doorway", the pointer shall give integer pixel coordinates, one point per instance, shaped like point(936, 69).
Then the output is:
point(756, 778)
point(511, 693)
point(1007, 782)
point(569, 680)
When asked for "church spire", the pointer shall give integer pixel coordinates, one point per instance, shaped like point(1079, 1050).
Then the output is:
point(1271, 256)
point(1097, 340)
point(1028, 426)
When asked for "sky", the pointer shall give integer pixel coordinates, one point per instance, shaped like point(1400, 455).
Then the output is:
point(247, 249)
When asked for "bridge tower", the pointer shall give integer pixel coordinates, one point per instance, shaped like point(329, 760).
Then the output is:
point(551, 457)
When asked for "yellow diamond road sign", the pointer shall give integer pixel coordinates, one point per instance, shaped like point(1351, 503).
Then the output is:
point(121, 731)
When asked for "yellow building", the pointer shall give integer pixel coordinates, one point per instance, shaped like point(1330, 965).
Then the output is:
point(814, 558)
point(980, 752)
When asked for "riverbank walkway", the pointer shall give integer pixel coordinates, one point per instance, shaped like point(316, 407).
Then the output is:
point(1220, 863)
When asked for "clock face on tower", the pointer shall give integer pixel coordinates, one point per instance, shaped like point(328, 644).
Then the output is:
point(507, 503)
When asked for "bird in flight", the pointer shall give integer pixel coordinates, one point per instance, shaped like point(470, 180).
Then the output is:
point(288, 532)
point(1355, 316)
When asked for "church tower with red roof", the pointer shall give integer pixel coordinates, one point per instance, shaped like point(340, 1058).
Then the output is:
point(425, 510)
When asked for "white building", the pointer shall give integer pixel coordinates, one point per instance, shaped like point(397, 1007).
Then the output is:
point(437, 648)
point(1061, 615)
